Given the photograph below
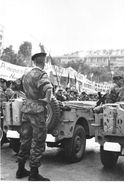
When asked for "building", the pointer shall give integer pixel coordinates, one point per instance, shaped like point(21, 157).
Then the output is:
point(96, 58)
point(1, 38)
point(73, 57)
point(105, 57)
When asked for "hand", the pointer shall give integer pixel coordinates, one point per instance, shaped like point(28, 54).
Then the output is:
point(44, 100)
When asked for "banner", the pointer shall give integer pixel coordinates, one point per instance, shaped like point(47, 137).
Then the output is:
point(9, 71)
point(12, 72)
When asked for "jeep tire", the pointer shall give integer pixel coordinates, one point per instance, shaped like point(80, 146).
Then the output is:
point(108, 158)
point(75, 147)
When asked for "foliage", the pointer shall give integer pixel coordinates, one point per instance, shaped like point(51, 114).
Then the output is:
point(25, 49)
point(24, 54)
point(21, 58)
point(9, 55)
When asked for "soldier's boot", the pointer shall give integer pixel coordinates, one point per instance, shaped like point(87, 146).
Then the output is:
point(21, 171)
point(35, 176)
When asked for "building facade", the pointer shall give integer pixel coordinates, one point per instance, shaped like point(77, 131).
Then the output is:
point(105, 57)
point(1, 38)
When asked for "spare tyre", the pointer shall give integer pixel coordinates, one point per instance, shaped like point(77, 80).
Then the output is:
point(53, 114)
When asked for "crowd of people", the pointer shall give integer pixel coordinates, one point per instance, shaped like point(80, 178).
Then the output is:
point(61, 94)
point(71, 93)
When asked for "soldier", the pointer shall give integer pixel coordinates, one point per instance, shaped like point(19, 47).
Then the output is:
point(113, 95)
point(38, 91)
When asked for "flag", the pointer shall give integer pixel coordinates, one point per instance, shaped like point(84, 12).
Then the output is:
point(68, 81)
point(76, 84)
point(75, 80)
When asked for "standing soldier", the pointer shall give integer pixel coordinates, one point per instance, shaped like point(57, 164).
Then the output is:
point(38, 91)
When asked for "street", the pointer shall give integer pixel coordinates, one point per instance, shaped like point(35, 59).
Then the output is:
point(56, 168)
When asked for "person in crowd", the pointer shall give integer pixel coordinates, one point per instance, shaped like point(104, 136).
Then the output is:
point(9, 92)
point(83, 96)
point(73, 94)
point(60, 95)
point(3, 98)
point(76, 95)
point(67, 93)
point(38, 91)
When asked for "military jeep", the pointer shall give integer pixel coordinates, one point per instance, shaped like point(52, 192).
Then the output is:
point(109, 133)
point(68, 122)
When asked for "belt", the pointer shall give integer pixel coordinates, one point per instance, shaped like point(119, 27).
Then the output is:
point(39, 101)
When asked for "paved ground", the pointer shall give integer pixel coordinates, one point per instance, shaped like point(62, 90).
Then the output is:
point(57, 169)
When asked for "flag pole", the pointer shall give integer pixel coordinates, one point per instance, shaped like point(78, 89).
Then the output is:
point(53, 65)
point(54, 69)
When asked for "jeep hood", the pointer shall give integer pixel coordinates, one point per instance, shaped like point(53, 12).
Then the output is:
point(81, 104)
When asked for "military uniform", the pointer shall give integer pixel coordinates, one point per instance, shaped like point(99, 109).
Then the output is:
point(33, 132)
point(114, 94)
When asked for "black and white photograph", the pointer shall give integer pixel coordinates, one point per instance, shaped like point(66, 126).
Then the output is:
point(62, 91)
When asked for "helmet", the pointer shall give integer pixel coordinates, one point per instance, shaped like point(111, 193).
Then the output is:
point(40, 53)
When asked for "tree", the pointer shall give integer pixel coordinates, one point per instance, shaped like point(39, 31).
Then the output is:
point(9, 55)
point(24, 54)
point(22, 58)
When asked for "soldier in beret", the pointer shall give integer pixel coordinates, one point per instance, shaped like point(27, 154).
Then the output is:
point(38, 91)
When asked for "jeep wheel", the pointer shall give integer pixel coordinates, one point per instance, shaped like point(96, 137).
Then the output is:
point(108, 158)
point(15, 145)
point(75, 147)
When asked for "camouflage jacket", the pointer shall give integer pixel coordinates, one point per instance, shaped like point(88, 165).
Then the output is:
point(112, 97)
point(35, 84)
point(121, 94)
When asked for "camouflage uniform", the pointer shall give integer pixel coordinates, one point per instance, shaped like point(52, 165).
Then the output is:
point(33, 131)
point(113, 95)
point(121, 94)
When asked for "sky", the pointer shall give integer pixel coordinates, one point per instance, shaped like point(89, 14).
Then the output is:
point(64, 26)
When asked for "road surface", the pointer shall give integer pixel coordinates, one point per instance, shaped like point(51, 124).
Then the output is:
point(57, 169)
